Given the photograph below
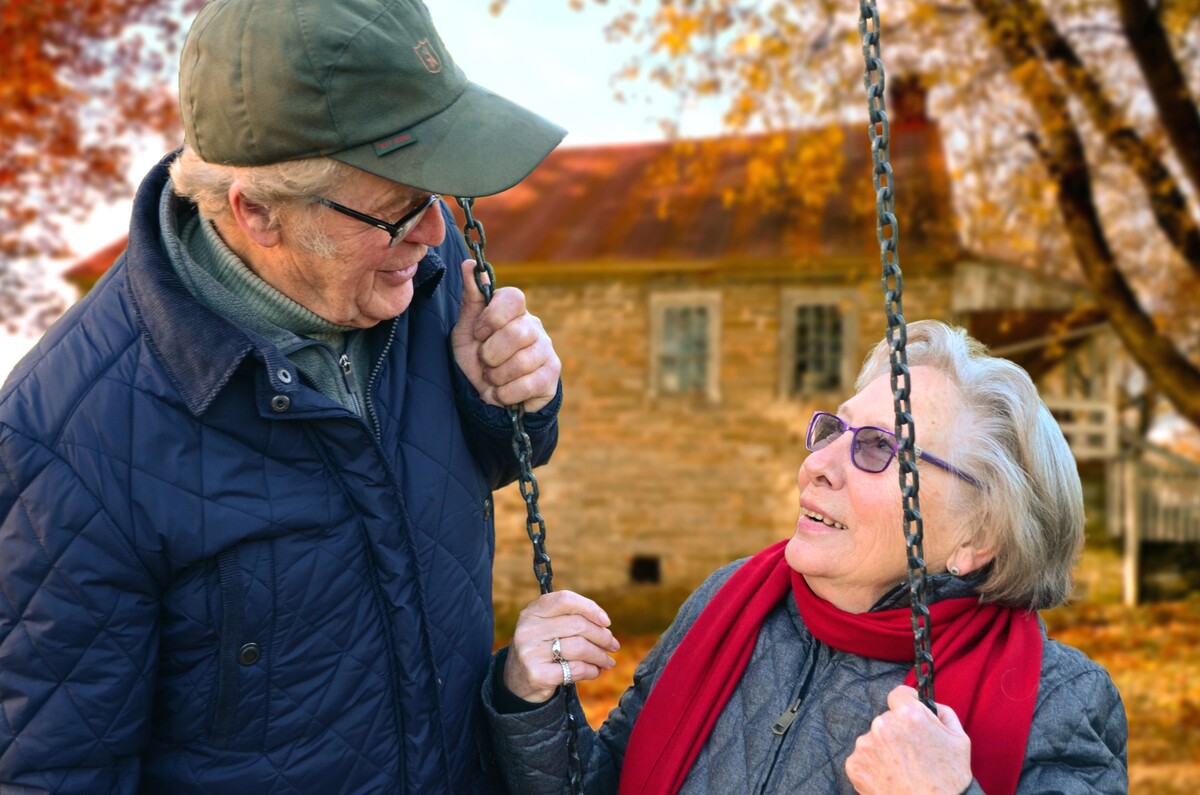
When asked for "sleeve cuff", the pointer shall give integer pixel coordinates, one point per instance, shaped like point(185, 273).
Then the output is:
point(504, 701)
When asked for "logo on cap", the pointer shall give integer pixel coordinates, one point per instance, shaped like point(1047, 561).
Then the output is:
point(429, 59)
point(393, 142)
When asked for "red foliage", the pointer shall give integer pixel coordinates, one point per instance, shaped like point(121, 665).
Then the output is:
point(78, 78)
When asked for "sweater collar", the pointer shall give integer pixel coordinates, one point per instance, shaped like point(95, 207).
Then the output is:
point(198, 348)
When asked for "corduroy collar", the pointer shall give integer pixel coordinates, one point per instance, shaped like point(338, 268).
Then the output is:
point(199, 350)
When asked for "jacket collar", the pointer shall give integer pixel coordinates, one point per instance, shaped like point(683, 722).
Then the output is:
point(198, 349)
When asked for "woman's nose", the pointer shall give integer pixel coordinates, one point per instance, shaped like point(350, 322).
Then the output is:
point(827, 465)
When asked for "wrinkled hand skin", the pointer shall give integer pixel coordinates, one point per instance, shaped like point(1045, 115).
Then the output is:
point(581, 627)
point(911, 750)
point(503, 350)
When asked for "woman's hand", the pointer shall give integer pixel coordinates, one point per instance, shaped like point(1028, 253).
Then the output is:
point(581, 628)
point(911, 750)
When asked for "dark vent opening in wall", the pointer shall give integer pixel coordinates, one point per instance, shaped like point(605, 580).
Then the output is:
point(645, 569)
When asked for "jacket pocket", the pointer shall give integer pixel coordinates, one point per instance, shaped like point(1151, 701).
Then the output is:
point(244, 611)
point(232, 617)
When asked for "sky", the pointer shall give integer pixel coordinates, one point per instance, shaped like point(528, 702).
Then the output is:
point(538, 53)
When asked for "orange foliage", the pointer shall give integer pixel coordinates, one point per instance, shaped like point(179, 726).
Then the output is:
point(77, 79)
point(1152, 653)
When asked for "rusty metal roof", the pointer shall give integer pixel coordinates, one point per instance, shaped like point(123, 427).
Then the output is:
point(801, 195)
point(693, 200)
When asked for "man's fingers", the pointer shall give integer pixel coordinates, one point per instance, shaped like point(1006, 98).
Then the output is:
point(507, 305)
point(471, 292)
point(505, 341)
point(523, 362)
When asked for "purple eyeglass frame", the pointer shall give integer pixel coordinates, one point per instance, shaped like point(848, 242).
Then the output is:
point(921, 454)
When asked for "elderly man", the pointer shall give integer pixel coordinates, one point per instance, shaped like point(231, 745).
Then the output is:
point(245, 485)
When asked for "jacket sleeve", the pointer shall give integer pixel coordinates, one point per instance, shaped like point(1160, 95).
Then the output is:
point(1077, 743)
point(531, 746)
point(490, 434)
point(77, 633)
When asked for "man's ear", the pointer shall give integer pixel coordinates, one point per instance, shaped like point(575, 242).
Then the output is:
point(253, 219)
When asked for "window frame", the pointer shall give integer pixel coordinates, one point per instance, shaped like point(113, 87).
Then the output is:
point(710, 301)
point(846, 301)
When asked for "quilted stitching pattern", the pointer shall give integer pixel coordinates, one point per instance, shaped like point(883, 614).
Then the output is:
point(1077, 742)
point(365, 565)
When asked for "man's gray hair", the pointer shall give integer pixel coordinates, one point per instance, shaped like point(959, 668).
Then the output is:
point(1029, 504)
point(288, 191)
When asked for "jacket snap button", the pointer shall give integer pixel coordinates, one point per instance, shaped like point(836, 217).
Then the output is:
point(281, 402)
point(285, 376)
point(249, 654)
point(487, 508)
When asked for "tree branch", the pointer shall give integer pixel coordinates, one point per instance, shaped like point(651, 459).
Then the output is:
point(1063, 156)
point(1167, 201)
point(1168, 87)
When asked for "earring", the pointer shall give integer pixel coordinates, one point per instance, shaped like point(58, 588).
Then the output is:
point(954, 570)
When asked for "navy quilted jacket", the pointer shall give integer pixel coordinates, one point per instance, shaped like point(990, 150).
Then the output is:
point(215, 579)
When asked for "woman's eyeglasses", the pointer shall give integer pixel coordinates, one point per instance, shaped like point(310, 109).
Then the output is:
point(398, 230)
point(871, 448)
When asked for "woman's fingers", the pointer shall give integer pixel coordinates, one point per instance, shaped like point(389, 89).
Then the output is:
point(584, 642)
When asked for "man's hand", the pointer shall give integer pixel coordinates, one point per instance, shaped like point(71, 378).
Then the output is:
point(503, 350)
point(911, 750)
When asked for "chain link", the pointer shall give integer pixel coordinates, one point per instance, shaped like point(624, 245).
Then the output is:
point(888, 232)
point(535, 525)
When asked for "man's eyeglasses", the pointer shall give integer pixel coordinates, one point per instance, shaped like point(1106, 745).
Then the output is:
point(398, 230)
point(871, 448)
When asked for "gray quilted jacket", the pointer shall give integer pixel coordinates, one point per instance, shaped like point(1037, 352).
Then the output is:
point(1076, 744)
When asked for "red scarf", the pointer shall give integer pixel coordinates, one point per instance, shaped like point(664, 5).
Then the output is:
point(987, 659)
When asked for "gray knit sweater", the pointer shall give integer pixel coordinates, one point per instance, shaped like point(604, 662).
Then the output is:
point(1076, 743)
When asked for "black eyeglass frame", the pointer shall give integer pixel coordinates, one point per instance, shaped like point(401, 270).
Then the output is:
point(921, 454)
point(399, 230)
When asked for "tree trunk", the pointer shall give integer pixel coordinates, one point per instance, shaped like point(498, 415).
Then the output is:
point(1063, 154)
point(1177, 111)
point(1167, 200)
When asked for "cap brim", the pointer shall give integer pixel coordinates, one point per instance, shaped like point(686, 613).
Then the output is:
point(480, 144)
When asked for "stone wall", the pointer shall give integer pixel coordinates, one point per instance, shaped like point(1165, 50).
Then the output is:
point(686, 481)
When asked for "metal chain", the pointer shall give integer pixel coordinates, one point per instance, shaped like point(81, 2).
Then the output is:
point(897, 336)
point(535, 525)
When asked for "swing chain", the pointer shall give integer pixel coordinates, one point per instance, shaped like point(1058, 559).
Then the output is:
point(535, 525)
point(888, 232)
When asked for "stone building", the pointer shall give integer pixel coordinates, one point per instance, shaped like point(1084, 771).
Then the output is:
point(698, 333)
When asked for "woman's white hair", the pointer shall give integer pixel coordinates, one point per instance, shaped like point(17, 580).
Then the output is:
point(1029, 504)
point(288, 190)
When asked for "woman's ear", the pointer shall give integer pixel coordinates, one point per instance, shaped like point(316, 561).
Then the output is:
point(969, 556)
point(253, 219)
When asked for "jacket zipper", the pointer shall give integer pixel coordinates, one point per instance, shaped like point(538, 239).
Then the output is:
point(344, 363)
point(785, 721)
point(367, 399)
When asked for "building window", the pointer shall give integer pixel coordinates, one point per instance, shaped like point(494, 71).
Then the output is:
point(684, 343)
point(645, 569)
point(818, 345)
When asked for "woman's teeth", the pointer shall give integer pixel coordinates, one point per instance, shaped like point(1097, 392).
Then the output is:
point(824, 520)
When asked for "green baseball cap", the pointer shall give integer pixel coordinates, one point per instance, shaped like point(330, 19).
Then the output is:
point(366, 82)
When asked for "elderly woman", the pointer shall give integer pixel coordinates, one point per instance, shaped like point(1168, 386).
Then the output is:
point(791, 671)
